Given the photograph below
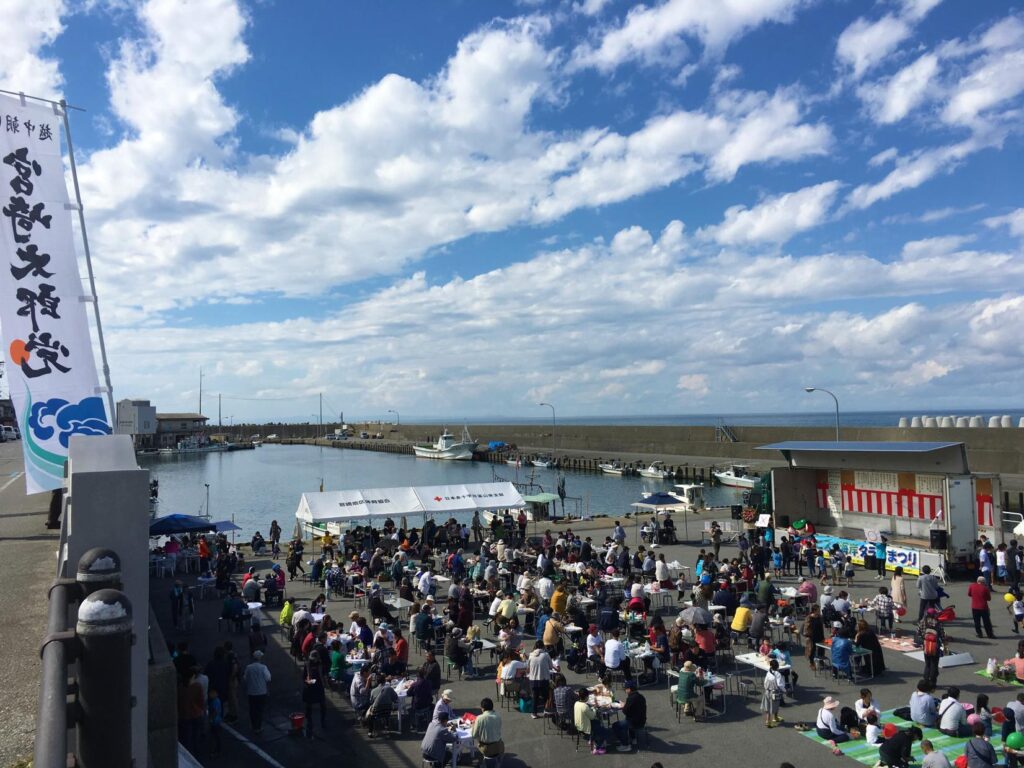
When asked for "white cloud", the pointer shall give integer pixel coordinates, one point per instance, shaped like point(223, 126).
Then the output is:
point(638, 368)
point(590, 7)
point(656, 35)
point(1013, 221)
point(891, 100)
point(911, 172)
point(995, 79)
point(27, 27)
point(775, 219)
point(694, 384)
point(865, 44)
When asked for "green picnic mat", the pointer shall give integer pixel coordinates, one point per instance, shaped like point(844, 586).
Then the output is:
point(998, 680)
point(867, 754)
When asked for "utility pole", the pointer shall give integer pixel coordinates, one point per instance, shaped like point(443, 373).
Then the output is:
point(321, 428)
point(220, 423)
point(200, 390)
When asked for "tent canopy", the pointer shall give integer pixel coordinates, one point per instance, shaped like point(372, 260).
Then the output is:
point(335, 506)
point(177, 523)
point(223, 526)
point(659, 500)
point(541, 498)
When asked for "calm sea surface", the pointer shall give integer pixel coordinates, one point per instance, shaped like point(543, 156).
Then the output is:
point(265, 484)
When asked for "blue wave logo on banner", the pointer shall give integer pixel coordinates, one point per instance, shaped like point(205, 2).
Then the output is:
point(60, 417)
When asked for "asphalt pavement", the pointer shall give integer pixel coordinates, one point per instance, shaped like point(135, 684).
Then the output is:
point(28, 554)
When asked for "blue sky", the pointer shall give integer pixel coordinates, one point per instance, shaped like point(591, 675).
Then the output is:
point(459, 209)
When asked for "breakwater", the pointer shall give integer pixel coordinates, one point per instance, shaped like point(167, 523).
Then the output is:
point(999, 451)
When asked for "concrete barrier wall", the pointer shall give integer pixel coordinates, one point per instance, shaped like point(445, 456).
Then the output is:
point(989, 450)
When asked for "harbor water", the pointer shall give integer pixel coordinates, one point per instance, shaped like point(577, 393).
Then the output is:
point(255, 487)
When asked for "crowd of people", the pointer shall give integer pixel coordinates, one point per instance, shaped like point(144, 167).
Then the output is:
point(563, 602)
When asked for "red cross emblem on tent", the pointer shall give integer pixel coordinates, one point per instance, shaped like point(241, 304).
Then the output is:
point(438, 498)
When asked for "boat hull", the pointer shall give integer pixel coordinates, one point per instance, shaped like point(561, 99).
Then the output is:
point(729, 479)
point(609, 470)
point(458, 452)
point(655, 475)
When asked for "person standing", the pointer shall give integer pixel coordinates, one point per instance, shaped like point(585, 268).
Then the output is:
point(880, 547)
point(539, 675)
point(932, 642)
point(927, 591)
point(813, 632)
point(257, 682)
point(313, 692)
point(716, 538)
point(981, 596)
point(487, 730)
point(898, 591)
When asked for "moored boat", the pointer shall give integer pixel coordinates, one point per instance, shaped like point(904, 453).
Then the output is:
point(448, 448)
point(736, 476)
point(656, 470)
point(691, 496)
point(615, 468)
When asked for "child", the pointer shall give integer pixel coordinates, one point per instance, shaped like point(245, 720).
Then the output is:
point(764, 649)
point(1016, 609)
point(872, 734)
point(681, 586)
point(216, 711)
point(820, 563)
point(849, 572)
point(777, 562)
point(984, 713)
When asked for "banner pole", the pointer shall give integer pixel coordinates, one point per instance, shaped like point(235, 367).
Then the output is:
point(88, 265)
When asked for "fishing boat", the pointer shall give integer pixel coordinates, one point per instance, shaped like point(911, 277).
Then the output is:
point(656, 470)
point(691, 496)
point(195, 444)
point(615, 468)
point(448, 448)
point(543, 462)
point(516, 462)
point(736, 476)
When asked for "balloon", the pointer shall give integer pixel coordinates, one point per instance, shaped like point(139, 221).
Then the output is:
point(1015, 740)
point(998, 716)
point(1008, 597)
point(889, 730)
point(901, 611)
point(799, 523)
point(972, 719)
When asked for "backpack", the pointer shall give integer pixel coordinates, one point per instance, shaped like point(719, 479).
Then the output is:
point(931, 641)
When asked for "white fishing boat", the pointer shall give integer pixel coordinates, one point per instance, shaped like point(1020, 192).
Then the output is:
point(615, 468)
point(543, 462)
point(736, 476)
point(195, 444)
point(691, 496)
point(448, 448)
point(657, 471)
point(516, 462)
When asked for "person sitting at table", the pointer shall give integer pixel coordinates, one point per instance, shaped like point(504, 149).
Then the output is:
point(668, 531)
point(608, 617)
point(287, 610)
point(559, 599)
point(317, 606)
point(251, 590)
point(457, 650)
point(435, 742)
point(842, 655)
point(341, 670)
point(378, 609)
point(742, 618)
point(554, 629)
point(868, 640)
point(588, 724)
point(706, 642)
point(614, 654)
point(827, 724)
point(278, 574)
point(690, 691)
point(383, 700)
point(359, 691)
point(257, 543)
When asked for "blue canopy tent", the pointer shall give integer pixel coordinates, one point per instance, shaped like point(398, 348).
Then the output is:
point(223, 526)
point(171, 524)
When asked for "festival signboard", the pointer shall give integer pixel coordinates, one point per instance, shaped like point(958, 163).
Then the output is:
point(45, 333)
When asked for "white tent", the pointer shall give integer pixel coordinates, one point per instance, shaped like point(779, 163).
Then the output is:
point(336, 506)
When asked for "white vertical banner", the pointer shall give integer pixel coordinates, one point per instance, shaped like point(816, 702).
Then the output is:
point(45, 332)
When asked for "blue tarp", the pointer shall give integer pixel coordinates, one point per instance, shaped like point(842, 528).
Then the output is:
point(495, 445)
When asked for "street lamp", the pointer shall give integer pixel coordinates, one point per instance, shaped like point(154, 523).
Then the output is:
point(549, 405)
point(398, 419)
point(207, 500)
point(827, 392)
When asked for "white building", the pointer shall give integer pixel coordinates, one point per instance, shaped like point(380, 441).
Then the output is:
point(138, 419)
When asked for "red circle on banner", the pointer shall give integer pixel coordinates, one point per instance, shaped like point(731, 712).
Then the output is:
point(19, 355)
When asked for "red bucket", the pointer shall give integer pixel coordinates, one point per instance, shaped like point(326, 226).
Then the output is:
point(298, 722)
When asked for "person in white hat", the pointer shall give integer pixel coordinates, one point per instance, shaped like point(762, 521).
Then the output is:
point(827, 725)
point(444, 704)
